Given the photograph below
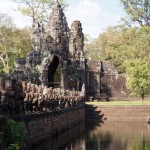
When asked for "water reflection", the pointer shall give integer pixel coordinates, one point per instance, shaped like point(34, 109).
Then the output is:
point(63, 141)
point(118, 136)
point(107, 136)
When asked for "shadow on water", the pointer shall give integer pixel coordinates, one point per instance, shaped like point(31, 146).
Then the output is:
point(77, 137)
point(102, 134)
point(94, 117)
point(109, 135)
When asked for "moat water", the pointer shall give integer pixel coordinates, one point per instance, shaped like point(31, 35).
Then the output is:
point(109, 135)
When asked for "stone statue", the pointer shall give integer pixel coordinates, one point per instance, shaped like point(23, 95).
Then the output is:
point(37, 36)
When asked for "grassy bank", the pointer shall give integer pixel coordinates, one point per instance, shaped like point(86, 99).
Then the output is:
point(121, 103)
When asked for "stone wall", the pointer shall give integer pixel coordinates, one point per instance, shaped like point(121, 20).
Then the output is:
point(103, 82)
point(113, 84)
point(93, 79)
point(43, 125)
point(63, 139)
point(117, 113)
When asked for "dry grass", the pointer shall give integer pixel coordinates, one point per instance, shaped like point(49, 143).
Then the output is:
point(120, 103)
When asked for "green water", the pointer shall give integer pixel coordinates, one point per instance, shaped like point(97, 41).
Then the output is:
point(118, 136)
point(109, 135)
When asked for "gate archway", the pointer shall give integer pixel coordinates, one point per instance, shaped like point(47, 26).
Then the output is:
point(52, 68)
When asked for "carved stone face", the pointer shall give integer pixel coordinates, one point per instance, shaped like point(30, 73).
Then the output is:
point(24, 85)
point(40, 90)
point(36, 43)
point(58, 40)
point(4, 97)
point(8, 84)
point(32, 87)
point(49, 39)
point(28, 87)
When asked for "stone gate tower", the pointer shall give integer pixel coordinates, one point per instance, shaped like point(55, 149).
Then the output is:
point(57, 59)
point(56, 51)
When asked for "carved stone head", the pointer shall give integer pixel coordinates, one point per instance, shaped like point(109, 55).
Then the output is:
point(33, 88)
point(8, 84)
point(4, 97)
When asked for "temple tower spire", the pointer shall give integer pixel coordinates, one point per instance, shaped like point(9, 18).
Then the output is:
point(57, 2)
point(57, 28)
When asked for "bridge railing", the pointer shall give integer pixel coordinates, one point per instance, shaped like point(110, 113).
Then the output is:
point(23, 97)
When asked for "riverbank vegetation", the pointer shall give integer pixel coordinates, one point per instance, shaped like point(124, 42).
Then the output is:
point(13, 135)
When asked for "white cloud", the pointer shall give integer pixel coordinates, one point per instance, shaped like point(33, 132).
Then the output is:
point(8, 7)
point(94, 20)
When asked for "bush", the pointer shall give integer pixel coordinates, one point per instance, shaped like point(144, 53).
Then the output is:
point(16, 135)
point(13, 147)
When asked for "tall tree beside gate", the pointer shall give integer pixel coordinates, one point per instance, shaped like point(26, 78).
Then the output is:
point(137, 11)
point(37, 9)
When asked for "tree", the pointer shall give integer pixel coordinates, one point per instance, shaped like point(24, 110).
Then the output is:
point(112, 45)
point(87, 38)
point(6, 21)
point(14, 43)
point(6, 28)
point(138, 11)
point(120, 44)
point(138, 71)
point(37, 9)
point(92, 50)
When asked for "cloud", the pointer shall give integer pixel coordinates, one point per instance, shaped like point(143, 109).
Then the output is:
point(94, 20)
point(8, 7)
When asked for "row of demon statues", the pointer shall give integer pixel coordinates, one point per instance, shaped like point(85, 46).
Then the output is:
point(22, 97)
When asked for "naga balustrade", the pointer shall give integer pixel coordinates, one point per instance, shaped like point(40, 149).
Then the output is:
point(24, 97)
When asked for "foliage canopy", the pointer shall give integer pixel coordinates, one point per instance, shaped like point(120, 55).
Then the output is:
point(37, 9)
point(14, 43)
point(129, 50)
point(137, 11)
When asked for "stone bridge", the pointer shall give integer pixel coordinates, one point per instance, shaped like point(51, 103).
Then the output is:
point(23, 97)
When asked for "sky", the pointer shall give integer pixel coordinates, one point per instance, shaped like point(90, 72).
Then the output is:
point(95, 15)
